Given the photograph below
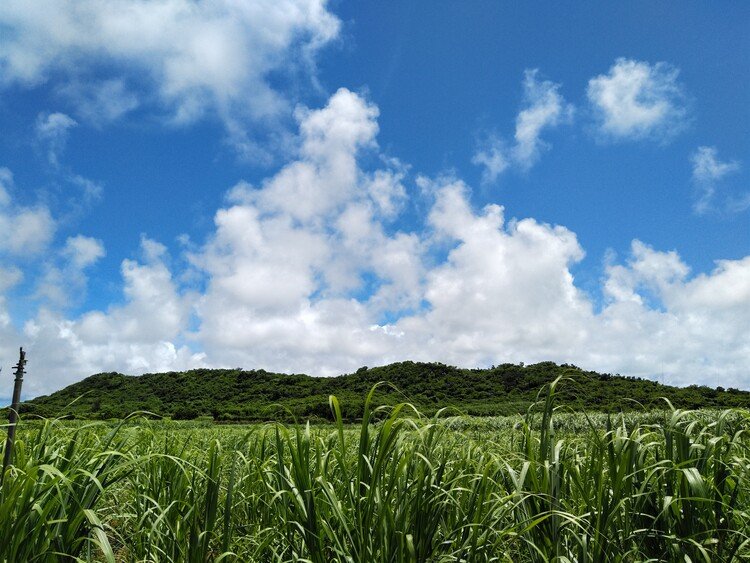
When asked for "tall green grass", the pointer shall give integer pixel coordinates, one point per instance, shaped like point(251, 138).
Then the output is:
point(551, 486)
point(50, 499)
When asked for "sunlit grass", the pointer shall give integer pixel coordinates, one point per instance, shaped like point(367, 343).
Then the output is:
point(551, 486)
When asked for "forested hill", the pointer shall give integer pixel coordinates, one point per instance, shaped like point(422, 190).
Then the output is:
point(239, 395)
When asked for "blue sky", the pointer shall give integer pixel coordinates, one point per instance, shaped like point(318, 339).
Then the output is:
point(310, 186)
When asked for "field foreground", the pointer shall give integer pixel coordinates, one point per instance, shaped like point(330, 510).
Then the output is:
point(551, 486)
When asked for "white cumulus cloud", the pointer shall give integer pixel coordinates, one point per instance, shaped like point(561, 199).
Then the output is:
point(637, 100)
point(544, 108)
point(190, 57)
point(305, 272)
point(288, 258)
point(139, 336)
point(23, 230)
point(83, 251)
point(301, 287)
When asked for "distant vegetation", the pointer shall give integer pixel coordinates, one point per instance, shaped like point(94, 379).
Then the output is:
point(245, 396)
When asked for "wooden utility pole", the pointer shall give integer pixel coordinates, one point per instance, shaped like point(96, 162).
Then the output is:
point(13, 416)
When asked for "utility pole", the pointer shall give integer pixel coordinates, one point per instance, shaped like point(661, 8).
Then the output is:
point(13, 416)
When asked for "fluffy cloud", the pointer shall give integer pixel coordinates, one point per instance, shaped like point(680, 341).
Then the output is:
point(191, 57)
point(506, 293)
point(306, 272)
point(502, 286)
point(493, 156)
point(637, 100)
point(141, 335)
point(83, 251)
point(694, 334)
point(544, 108)
point(289, 258)
point(23, 230)
point(708, 170)
point(322, 288)
point(325, 176)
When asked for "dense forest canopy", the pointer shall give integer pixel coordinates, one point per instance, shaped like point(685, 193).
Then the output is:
point(242, 396)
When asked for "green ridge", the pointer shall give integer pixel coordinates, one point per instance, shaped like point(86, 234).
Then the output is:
point(240, 395)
